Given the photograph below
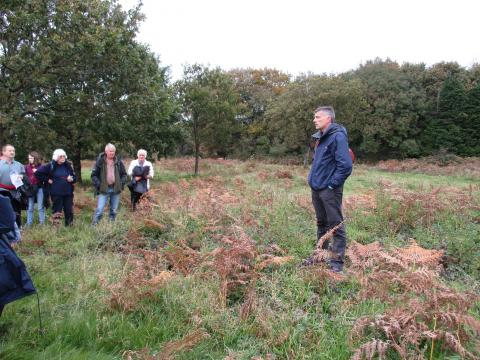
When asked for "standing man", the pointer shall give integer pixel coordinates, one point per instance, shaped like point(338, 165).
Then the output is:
point(331, 166)
point(11, 170)
point(109, 177)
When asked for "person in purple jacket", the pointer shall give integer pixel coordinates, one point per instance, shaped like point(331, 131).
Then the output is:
point(59, 176)
point(331, 166)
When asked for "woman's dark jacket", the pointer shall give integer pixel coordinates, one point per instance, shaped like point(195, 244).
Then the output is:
point(139, 186)
point(58, 173)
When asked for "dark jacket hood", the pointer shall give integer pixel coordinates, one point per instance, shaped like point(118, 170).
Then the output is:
point(332, 129)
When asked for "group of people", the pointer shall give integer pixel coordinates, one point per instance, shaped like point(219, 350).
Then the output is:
point(331, 166)
point(37, 183)
point(109, 179)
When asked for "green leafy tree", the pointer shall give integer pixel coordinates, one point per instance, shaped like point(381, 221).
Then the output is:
point(257, 89)
point(452, 101)
point(434, 78)
point(290, 117)
point(450, 129)
point(209, 105)
point(74, 73)
point(396, 105)
point(472, 125)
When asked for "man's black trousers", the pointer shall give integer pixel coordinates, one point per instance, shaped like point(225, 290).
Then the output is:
point(328, 209)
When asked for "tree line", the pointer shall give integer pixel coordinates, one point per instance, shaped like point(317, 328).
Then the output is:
point(73, 75)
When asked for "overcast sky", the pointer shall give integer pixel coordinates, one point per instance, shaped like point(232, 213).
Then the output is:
point(309, 36)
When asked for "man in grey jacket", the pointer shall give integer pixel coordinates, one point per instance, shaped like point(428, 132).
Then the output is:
point(12, 173)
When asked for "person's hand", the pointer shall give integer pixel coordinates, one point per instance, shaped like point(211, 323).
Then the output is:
point(34, 171)
point(69, 178)
point(20, 177)
point(50, 181)
point(138, 178)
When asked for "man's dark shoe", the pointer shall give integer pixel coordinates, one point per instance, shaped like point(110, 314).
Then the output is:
point(336, 270)
point(335, 266)
point(313, 260)
point(310, 261)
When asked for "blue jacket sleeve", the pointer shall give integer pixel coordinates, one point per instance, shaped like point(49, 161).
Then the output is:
point(343, 162)
point(43, 173)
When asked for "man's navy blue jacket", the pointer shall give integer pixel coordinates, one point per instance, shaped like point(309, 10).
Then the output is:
point(332, 163)
point(15, 282)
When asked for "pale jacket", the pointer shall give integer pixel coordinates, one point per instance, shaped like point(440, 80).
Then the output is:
point(134, 163)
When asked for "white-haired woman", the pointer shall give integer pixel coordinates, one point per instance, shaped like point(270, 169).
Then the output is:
point(59, 177)
point(141, 171)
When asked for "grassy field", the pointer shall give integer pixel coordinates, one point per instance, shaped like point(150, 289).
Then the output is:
point(210, 268)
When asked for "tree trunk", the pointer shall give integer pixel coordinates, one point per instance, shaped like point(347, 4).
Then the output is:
point(306, 157)
point(197, 157)
point(196, 140)
point(77, 163)
point(2, 132)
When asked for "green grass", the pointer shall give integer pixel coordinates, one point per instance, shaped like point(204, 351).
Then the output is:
point(296, 315)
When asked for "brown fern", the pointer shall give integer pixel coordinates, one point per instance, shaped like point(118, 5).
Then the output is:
point(370, 349)
point(422, 311)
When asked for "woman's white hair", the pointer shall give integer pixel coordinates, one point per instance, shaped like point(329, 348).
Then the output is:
point(141, 151)
point(57, 153)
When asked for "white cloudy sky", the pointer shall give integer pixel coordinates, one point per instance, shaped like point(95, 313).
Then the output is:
point(309, 36)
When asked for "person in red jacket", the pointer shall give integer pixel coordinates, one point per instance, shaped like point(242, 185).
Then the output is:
point(36, 195)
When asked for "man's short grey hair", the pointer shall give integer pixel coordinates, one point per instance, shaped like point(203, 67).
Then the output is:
point(142, 151)
point(327, 110)
point(110, 146)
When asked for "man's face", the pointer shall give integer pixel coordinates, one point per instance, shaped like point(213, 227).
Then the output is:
point(9, 152)
point(321, 120)
point(110, 153)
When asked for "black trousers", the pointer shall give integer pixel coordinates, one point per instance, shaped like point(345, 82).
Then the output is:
point(17, 207)
point(135, 197)
point(328, 210)
point(65, 203)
